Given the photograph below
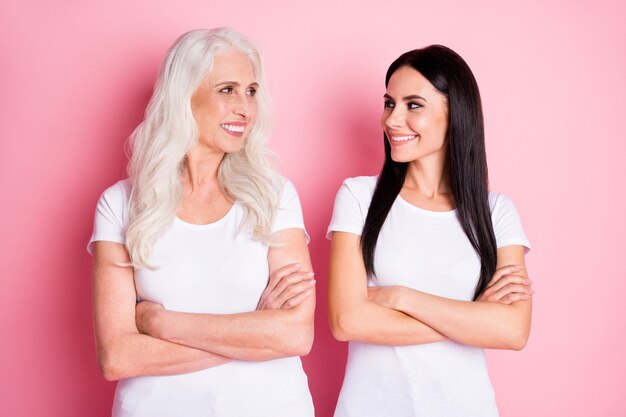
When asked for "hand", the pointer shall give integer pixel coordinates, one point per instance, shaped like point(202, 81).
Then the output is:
point(145, 313)
point(386, 296)
point(506, 287)
point(287, 288)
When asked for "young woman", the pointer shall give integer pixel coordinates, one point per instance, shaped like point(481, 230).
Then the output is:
point(427, 267)
point(211, 241)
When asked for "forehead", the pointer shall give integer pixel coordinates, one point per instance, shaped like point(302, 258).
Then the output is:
point(232, 66)
point(407, 81)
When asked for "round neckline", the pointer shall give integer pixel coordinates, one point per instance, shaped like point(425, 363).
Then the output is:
point(449, 213)
point(216, 223)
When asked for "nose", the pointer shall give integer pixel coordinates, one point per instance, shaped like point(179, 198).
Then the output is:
point(242, 107)
point(395, 118)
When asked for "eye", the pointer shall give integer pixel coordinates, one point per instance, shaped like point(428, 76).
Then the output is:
point(413, 105)
point(226, 90)
point(389, 104)
point(251, 91)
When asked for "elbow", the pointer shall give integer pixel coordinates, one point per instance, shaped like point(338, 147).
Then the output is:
point(108, 367)
point(518, 343)
point(341, 326)
point(303, 342)
point(517, 339)
point(111, 364)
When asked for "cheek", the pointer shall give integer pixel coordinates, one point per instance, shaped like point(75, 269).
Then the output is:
point(383, 119)
point(254, 110)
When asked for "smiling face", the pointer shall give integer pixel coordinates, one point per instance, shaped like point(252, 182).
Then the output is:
point(415, 117)
point(224, 105)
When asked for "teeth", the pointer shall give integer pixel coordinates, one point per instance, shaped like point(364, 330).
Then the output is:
point(402, 138)
point(239, 129)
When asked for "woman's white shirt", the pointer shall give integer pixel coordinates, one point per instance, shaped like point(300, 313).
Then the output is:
point(214, 268)
point(427, 251)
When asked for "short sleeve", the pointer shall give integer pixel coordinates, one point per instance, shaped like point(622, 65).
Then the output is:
point(289, 213)
point(506, 223)
point(348, 215)
point(110, 220)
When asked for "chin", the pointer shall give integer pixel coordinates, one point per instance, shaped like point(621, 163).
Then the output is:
point(400, 158)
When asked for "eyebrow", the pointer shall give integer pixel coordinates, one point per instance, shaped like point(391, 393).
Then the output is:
point(254, 84)
point(407, 98)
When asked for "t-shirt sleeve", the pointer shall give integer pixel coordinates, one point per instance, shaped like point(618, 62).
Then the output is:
point(507, 224)
point(109, 224)
point(289, 213)
point(347, 213)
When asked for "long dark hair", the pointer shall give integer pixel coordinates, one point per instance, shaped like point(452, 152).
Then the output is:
point(466, 159)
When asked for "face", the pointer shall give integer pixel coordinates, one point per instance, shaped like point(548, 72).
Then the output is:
point(224, 105)
point(415, 117)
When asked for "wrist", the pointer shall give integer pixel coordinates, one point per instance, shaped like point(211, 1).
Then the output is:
point(155, 323)
point(399, 295)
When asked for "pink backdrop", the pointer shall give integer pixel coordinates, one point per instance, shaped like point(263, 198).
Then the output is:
point(74, 80)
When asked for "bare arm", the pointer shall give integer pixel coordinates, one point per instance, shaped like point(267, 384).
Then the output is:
point(498, 325)
point(256, 335)
point(122, 351)
point(352, 315)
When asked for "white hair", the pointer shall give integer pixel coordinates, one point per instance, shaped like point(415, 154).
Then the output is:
point(168, 132)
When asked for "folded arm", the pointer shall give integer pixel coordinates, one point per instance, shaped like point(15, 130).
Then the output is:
point(353, 316)
point(122, 351)
point(498, 325)
point(263, 334)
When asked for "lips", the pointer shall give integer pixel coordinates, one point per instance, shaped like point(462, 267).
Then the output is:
point(234, 128)
point(399, 138)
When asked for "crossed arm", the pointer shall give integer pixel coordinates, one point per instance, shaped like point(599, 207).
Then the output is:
point(146, 339)
point(402, 316)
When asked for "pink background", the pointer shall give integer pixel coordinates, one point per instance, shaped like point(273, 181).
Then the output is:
point(75, 77)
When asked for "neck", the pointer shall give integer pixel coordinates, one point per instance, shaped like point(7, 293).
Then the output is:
point(200, 171)
point(429, 176)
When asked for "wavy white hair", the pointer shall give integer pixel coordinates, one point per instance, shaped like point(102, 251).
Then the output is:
point(160, 143)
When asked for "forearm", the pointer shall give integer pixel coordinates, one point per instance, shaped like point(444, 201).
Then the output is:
point(482, 324)
point(257, 335)
point(134, 354)
point(366, 321)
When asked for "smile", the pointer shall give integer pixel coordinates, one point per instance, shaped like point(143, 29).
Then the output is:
point(402, 138)
point(232, 128)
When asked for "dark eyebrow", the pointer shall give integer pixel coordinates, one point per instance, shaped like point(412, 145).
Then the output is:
point(407, 98)
point(414, 97)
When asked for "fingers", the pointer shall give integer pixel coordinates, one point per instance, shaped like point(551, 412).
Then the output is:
point(297, 286)
point(505, 270)
point(300, 297)
point(513, 297)
point(279, 274)
point(523, 291)
point(507, 280)
point(291, 280)
point(508, 285)
point(287, 288)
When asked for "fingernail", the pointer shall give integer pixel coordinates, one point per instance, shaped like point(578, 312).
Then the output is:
point(529, 281)
point(312, 281)
point(310, 274)
point(517, 267)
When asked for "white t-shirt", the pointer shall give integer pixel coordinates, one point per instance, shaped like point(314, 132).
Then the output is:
point(213, 268)
point(427, 251)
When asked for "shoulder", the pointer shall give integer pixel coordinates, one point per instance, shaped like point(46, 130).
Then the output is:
point(500, 203)
point(113, 202)
point(118, 192)
point(285, 189)
point(361, 187)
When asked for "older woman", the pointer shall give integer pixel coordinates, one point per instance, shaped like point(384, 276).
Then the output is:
point(211, 241)
point(427, 266)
